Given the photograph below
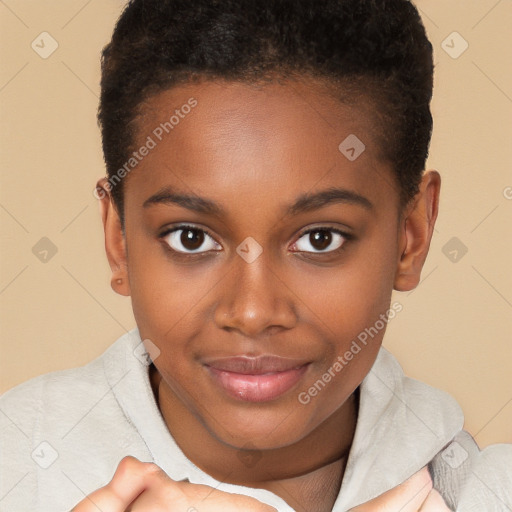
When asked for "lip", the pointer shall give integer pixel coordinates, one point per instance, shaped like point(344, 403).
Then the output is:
point(256, 379)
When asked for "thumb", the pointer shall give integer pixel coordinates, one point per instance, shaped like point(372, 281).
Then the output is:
point(407, 497)
point(434, 503)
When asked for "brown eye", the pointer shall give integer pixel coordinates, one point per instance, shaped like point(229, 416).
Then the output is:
point(321, 240)
point(190, 240)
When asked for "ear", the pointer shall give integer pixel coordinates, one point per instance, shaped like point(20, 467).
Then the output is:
point(416, 228)
point(115, 243)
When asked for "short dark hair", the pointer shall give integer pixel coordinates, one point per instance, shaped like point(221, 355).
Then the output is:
point(375, 49)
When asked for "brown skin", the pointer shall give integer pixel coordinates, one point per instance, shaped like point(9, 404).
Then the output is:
point(143, 487)
point(414, 495)
point(254, 151)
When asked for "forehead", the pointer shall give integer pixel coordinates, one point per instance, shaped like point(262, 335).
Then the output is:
point(257, 141)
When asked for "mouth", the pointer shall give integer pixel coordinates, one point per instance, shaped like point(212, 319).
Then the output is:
point(256, 379)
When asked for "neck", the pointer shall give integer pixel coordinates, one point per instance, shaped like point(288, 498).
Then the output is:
point(306, 474)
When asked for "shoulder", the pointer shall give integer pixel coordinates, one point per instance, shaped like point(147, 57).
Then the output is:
point(57, 388)
point(54, 396)
point(48, 394)
point(66, 425)
point(473, 479)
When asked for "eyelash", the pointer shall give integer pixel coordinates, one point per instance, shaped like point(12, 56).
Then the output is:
point(183, 255)
point(347, 237)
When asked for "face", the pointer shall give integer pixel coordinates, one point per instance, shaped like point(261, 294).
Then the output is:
point(256, 252)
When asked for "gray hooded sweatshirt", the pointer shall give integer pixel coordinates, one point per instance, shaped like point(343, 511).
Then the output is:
point(63, 434)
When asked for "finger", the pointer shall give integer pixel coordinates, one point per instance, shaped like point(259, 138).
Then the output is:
point(415, 491)
point(170, 496)
point(407, 497)
point(131, 478)
point(434, 503)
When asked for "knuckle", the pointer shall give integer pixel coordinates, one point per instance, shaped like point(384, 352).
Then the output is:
point(150, 469)
point(127, 464)
point(131, 465)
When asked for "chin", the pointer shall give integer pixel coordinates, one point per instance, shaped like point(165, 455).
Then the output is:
point(261, 428)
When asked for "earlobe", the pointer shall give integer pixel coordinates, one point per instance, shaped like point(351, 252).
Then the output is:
point(417, 228)
point(115, 242)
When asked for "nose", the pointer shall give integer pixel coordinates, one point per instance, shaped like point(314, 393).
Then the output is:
point(255, 299)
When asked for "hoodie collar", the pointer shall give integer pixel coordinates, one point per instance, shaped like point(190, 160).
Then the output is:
point(402, 424)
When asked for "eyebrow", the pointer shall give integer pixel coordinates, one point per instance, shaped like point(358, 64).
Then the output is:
point(304, 203)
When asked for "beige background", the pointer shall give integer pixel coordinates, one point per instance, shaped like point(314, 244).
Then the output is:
point(455, 330)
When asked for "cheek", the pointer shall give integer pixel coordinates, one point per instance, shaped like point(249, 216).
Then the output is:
point(352, 309)
point(167, 298)
point(172, 301)
point(350, 297)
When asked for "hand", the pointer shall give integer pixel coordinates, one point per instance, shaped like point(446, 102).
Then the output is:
point(414, 495)
point(143, 487)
